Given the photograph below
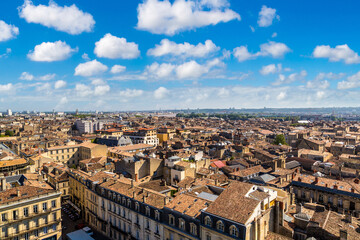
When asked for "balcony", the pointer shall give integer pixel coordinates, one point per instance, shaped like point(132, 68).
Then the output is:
point(12, 235)
point(24, 217)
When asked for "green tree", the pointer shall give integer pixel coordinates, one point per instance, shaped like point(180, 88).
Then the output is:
point(280, 139)
point(9, 133)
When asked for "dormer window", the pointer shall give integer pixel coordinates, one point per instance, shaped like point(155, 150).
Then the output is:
point(234, 231)
point(208, 221)
point(182, 224)
point(220, 226)
point(137, 206)
point(171, 220)
point(147, 211)
point(157, 215)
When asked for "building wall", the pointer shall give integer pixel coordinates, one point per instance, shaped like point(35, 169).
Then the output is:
point(45, 222)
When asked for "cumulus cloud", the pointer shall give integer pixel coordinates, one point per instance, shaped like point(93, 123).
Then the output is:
point(337, 54)
point(101, 90)
point(161, 93)
point(270, 69)
point(51, 52)
point(164, 17)
point(90, 68)
point(47, 77)
point(98, 81)
point(7, 31)
point(83, 90)
point(114, 47)
point(191, 70)
point(270, 49)
point(130, 93)
point(6, 87)
point(60, 84)
point(26, 76)
point(41, 87)
point(69, 19)
point(282, 79)
point(352, 81)
point(117, 69)
point(330, 75)
point(167, 47)
point(157, 70)
point(267, 16)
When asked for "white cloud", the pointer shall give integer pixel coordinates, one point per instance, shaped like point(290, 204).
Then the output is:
point(352, 81)
point(69, 19)
point(60, 84)
point(130, 93)
point(6, 87)
point(101, 90)
point(252, 28)
point(274, 35)
point(113, 47)
point(117, 69)
point(83, 90)
point(51, 51)
point(223, 92)
point(164, 17)
point(191, 70)
point(161, 93)
point(157, 70)
point(266, 16)
point(90, 68)
point(26, 76)
point(43, 87)
point(337, 54)
point(316, 84)
point(85, 56)
point(242, 54)
point(63, 101)
point(98, 81)
point(270, 69)
point(167, 47)
point(282, 79)
point(7, 31)
point(281, 96)
point(330, 75)
point(273, 49)
point(47, 77)
point(270, 49)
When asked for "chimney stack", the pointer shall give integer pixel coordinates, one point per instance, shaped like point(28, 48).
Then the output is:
point(136, 177)
point(3, 184)
point(316, 180)
point(132, 183)
point(18, 193)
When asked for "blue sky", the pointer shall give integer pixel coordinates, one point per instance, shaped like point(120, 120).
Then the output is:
point(142, 55)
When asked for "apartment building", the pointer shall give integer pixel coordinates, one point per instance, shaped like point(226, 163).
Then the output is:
point(143, 135)
point(89, 126)
point(29, 212)
point(72, 154)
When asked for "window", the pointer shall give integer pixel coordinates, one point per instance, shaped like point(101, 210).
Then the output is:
point(15, 216)
point(26, 212)
point(53, 203)
point(26, 236)
point(181, 224)
point(208, 237)
point(45, 230)
point(27, 226)
point(54, 227)
point(46, 220)
point(35, 208)
point(171, 220)
point(157, 228)
point(193, 229)
point(157, 215)
point(234, 231)
point(147, 211)
point(220, 226)
point(147, 224)
point(36, 233)
point(128, 202)
point(44, 206)
point(54, 216)
point(137, 206)
point(208, 221)
point(4, 217)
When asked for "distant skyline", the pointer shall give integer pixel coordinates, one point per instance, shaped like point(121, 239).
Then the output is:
point(145, 55)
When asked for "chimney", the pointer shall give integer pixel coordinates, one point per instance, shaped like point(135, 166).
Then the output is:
point(352, 190)
point(144, 198)
point(335, 186)
point(18, 193)
point(166, 200)
point(134, 194)
point(136, 177)
point(356, 181)
point(299, 179)
point(132, 183)
point(40, 178)
point(316, 180)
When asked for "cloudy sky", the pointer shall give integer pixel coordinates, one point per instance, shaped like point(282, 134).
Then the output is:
point(176, 54)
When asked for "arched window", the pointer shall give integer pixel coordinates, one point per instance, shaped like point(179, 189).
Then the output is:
point(181, 224)
point(193, 229)
point(208, 221)
point(220, 226)
point(234, 231)
point(137, 206)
